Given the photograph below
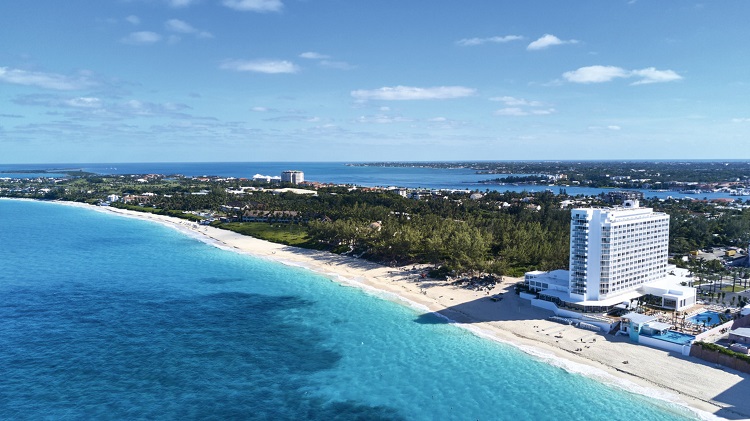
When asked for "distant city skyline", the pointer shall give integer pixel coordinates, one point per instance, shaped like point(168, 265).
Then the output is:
point(330, 81)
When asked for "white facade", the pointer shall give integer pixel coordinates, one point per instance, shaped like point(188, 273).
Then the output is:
point(556, 280)
point(291, 176)
point(616, 250)
point(616, 255)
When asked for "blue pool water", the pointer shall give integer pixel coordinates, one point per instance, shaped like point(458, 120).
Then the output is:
point(674, 337)
point(709, 318)
point(103, 317)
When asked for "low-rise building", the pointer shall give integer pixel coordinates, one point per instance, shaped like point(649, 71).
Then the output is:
point(740, 335)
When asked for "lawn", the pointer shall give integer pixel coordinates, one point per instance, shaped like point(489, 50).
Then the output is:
point(289, 234)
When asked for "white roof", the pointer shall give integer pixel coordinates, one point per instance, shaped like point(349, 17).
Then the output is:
point(558, 277)
point(618, 299)
point(659, 325)
point(671, 284)
point(741, 331)
point(639, 318)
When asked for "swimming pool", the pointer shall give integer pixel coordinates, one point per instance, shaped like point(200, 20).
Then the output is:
point(707, 318)
point(673, 337)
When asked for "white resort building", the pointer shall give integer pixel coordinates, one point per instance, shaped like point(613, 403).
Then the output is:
point(617, 255)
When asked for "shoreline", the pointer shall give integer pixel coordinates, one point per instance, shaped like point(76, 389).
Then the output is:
point(708, 392)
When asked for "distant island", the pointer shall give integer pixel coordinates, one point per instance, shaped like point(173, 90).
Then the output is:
point(620, 174)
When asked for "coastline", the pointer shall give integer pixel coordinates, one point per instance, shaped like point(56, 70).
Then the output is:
point(711, 393)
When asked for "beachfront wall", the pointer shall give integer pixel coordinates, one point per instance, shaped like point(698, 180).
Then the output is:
point(547, 305)
point(669, 346)
point(527, 296)
point(714, 331)
point(716, 357)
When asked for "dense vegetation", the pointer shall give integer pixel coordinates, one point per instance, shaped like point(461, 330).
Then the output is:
point(459, 233)
point(697, 225)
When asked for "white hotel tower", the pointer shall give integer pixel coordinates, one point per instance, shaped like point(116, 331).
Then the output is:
point(617, 255)
point(292, 176)
point(616, 250)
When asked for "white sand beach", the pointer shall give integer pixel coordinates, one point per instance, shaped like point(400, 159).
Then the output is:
point(713, 392)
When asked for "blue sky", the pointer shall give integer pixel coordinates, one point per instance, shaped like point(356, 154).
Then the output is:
point(344, 80)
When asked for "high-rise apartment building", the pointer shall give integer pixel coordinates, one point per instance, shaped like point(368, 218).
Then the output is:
point(291, 176)
point(616, 250)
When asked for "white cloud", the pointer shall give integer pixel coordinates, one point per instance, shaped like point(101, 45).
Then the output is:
point(400, 93)
point(93, 107)
point(293, 118)
point(741, 120)
point(651, 75)
point(521, 107)
point(254, 5)
point(599, 74)
point(261, 66)
point(42, 80)
point(548, 40)
point(595, 74)
point(468, 42)
point(141, 38)
point(138, 108)
point(382, 119)
point(611, 127)
point(314, 56)
point(323, 61)
point(176, 25)
point(182, 27)
point(258, 109)
point(512, 111)
point(135, 20)
point(84, 102)
point(511, 101)
point(517, 111)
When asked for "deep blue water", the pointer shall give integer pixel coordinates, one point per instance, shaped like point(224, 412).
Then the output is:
point(104, 317)
point(338, 172)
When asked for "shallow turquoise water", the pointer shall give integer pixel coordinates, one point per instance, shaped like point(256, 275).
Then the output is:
point(113, 318)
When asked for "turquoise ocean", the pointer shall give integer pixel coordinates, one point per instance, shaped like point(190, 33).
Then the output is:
point(105, 317)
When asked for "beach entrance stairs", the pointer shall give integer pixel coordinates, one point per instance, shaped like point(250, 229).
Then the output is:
point(615, 328)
